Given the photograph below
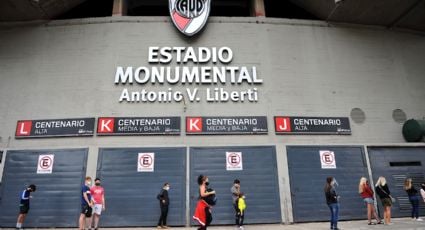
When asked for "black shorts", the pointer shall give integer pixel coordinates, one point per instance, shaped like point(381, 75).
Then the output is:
point(86, 210)
point(24, 208)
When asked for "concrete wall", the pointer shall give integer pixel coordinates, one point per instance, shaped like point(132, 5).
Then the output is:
point(66, 69)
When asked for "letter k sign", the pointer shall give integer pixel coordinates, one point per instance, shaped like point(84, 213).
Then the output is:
point(105, 125)
point(194, 124)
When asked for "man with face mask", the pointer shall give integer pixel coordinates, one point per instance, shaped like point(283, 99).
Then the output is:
point(164, 202)
point(86, 204)
point(98, 194)
point(24, 205)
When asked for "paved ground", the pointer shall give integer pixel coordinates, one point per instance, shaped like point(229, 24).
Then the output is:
point(399, 224)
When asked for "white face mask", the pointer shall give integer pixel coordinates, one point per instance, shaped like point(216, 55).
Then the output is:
point(88, 183)
point(167, 188)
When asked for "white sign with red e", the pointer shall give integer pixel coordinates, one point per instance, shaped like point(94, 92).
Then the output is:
point(45, 164)
point(146, 162)
point(234, 161)
point(327, 158)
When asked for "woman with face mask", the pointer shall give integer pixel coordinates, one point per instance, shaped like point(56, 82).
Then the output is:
point(332, 201)
point(203, 209)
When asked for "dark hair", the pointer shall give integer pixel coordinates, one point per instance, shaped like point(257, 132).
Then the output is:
point(165, 184)
point(201, 179)
point(328, 184)
point(236, 181)
point(32, 187)
point(241, 194)
point(97, 179)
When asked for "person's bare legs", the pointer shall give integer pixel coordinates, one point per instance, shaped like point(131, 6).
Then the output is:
point(96, 220)
point(81, 222)
point(369, 212)
point(88, 222)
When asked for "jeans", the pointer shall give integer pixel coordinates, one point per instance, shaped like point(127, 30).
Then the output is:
point(163, 219)
point(414, 200)
point(334, 207)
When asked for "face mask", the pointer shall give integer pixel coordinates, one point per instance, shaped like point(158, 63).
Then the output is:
point(88, 183)
point(97, 184)
point(207, 183)
point(167, 188)
point(335, 183)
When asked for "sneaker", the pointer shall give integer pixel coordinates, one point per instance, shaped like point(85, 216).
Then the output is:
point(159, 227)
point(241, 227)
point(419, 219)
point(389, 223)
point(165, 227)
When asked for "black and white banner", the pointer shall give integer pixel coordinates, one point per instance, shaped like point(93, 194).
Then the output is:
point(55, 127)
point(226, 125)
point(138, 126)
point(312, 125)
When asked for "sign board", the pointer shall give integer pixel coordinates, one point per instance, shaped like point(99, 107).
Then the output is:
point(226, 125)
point(146, 162)
point(113, 126)
point(234, 161)
point(45, 164)
point(55, 127)
point(312, 125)
point(327, 159)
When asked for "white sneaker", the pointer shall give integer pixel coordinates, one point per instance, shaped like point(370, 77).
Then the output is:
point(419, 219)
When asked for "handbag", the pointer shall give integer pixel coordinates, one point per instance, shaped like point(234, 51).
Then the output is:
point(393, 200)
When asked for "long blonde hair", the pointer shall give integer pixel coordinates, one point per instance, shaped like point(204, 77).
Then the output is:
point(381, 181)
point(362, 183)
point(408, 183)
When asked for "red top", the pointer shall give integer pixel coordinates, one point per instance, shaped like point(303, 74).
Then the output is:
point(367, 192)
point(97, 193)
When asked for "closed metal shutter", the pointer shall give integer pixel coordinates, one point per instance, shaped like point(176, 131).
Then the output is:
point(131, 195)
point(307, 181)
point(57, 201)
point(396, 164)
point(259, 181)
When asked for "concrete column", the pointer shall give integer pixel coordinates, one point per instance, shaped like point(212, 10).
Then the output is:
point(120, 8)
point(258, 9)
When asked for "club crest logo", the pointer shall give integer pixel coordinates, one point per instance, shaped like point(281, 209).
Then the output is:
point(189, 16)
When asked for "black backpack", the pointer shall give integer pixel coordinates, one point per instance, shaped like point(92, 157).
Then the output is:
point(211, 199)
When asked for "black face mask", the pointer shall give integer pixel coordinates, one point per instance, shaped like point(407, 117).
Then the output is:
point(97, 184)
point(207, 183)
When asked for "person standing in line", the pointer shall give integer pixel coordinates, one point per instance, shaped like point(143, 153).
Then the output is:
point(236, 190)
point(366, 193)
point(241, 208)
point(98, 195)
point(86, 205)
point(203, 209)
point(164, 202)
point(332, 201)
point(384, 194)
point(423, 191)
point(24, 205)
point(413, 198)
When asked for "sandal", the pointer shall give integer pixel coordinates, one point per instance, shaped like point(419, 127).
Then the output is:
point(371, 223)
point(380, 222)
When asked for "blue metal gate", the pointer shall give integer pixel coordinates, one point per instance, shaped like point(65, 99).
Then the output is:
point(396, 164)
point(307, 180)
point(259, 181)
point(57, 201)
point(131, 195)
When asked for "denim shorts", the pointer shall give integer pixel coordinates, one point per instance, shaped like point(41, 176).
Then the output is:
point(368, 200)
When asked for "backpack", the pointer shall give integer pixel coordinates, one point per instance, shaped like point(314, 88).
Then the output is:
point(211, 199)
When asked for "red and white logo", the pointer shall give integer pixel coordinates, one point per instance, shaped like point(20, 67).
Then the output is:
point(194, 124)
point(146, 162)
point(45, 164)
point(23, 128)
point(189, 16)
point(105, 125)
point(283, 124)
